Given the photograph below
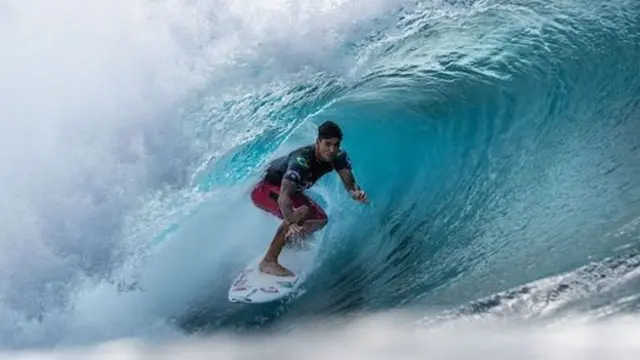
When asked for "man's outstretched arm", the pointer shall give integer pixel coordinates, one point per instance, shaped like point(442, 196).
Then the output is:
point(349, 182)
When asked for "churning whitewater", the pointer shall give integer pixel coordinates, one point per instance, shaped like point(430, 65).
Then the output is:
point(497, 141)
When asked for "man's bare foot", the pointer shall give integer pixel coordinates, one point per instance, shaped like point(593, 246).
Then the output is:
point(272, 267)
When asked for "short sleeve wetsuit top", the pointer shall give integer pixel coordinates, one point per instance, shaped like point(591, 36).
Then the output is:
point(302, 167)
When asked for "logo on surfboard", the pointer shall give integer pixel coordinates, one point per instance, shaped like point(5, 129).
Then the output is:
point(270, 289)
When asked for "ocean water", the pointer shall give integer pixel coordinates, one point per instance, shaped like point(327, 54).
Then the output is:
point(498, 143)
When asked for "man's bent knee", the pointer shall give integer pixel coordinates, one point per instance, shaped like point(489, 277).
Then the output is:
point(313, 225)
point(302, 213)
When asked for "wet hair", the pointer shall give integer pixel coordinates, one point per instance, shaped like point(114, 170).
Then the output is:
point(329, 130)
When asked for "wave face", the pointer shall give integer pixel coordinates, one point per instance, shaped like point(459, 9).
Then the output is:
point(497, 141)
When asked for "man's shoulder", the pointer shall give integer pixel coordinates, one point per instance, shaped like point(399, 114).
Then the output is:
point(342, 155)
point(302, 157)
point(298, 165)
point(303, 151)
point(342, 161)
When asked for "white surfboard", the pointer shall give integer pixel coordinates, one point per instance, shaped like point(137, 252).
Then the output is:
point(252, 286)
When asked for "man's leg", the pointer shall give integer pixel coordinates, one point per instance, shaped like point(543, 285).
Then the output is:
point(264, 197)
point(269, 263)
point(307, 213)
point(312, 225)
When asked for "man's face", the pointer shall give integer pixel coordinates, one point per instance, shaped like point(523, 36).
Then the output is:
point(328, 148)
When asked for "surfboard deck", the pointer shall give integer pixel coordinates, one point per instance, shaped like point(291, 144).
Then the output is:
point(252, 286)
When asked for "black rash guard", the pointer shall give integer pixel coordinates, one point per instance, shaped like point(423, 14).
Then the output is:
point(303, 168)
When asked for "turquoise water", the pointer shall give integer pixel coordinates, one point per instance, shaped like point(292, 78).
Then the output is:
point(497, 141)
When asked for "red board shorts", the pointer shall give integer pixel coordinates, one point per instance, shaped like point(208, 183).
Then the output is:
point(265, 197)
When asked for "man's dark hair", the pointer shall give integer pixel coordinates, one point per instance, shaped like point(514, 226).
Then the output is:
point(329, 130)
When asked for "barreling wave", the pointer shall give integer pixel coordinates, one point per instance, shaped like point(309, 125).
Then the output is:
point(497, 141)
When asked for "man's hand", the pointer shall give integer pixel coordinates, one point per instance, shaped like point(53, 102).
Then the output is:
point(294, 228)
point(359, 195)
point(349, 183)
point(294, 231)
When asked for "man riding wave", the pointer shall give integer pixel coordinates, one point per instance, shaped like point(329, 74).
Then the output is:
point(281, 190)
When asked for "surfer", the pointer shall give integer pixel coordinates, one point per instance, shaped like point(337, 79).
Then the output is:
point(280, 192)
